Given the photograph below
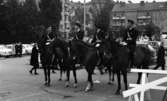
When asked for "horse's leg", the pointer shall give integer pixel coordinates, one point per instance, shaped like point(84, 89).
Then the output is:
point(53, 71)
point(45, 74)
point(48, 70)
point(113, 76)
point(61, 72)
point(125, 79)
point(75, 78)
point(119, 82)
point(100, 68)
point(109, 74)
point(90, 82)
point(68, 78)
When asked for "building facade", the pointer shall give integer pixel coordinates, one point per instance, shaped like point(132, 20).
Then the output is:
point(142, 13)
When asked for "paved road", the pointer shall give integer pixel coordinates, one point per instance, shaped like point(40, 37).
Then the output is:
point(16, 84)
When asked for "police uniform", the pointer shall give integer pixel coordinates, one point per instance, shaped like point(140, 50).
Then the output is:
point(79, 35)
point(99, 36)
point(130, 38)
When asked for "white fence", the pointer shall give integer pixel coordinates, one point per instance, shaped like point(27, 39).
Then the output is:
point(145, 86)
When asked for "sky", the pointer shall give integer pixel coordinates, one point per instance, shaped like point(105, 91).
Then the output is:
point(134, 1)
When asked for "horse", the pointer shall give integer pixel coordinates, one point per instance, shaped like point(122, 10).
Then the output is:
point(88, 56)
point(46, 57)
point(57, 52)
point(120, 60)
point(62, 53)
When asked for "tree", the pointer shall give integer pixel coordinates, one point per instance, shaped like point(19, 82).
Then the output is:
point(3, 24)
point(31, 18)
point(20, 20)
point(152, 30)
point(101, 14)
point(51, 13)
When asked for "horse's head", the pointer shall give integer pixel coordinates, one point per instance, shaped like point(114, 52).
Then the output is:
point(143, 53)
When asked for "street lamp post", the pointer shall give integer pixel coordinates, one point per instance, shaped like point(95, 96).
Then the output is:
point(84, 17)
point(63, 17)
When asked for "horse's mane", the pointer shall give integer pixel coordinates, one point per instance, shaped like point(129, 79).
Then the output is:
point(60, 43)
point(117, 46)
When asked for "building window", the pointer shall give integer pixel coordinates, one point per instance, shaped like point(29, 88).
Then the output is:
point(122, 14)
point(148, 14)
point(114, 14)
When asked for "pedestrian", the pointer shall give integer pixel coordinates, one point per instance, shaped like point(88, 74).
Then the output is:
point(16, 49)
point(34, 60)
point(161, 57)
point(20, 49)
point(130, 38)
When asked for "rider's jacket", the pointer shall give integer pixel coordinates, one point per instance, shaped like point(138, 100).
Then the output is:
point(99, 36)
point(79, 35)
point(131, 36)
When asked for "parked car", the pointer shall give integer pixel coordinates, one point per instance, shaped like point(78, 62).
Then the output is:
point(27, 48)
point(4, 51)
point(12, 47)
point(165, 43)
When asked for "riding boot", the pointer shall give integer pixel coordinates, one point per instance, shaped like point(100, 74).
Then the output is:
point(30, 71)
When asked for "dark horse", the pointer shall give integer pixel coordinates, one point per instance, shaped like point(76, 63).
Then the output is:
point(87, 55)
point(120, 61)
point(62, 53)
point(46, 57)
point(57, 51)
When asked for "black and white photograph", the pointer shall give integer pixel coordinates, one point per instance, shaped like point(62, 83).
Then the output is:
point(83, 50)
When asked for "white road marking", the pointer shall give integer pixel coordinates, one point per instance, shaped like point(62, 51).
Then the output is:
point(22, 97)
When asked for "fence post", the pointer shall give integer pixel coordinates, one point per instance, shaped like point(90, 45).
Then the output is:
point(165, 96)
point(143, 80)
point(136, 97)
point(147, 93)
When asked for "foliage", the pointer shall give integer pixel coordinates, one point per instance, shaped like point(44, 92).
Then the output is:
point(151, 29)
point(101, 14)
point(21, 21)
point(51, 12)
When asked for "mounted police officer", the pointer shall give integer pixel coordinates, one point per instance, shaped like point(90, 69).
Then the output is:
point(45, 40)
point(130, 38)
point(51, 33)
point(79, 34)
point(99, 36)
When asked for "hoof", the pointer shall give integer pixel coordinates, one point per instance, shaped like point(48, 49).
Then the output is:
point(89, 87)
point(67, 85)
point(110, 83)
point(45, 83)
point(60, 79)
point(75, 85)
point(118, 92)
point(53, 72)
point(87, 90)
point(48, 84)
point(30, 72)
